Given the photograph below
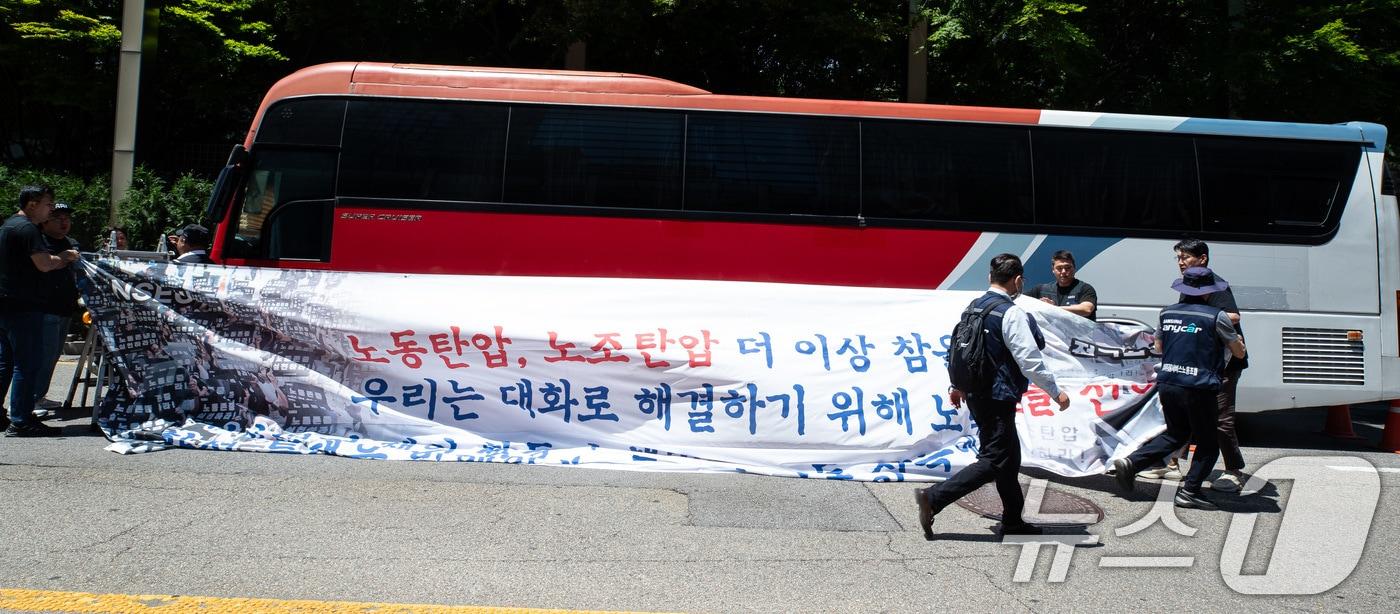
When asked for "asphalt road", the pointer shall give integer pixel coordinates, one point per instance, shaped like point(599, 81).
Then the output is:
point(225, 524)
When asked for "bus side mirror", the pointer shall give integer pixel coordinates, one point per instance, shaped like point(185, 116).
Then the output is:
point(229, 179)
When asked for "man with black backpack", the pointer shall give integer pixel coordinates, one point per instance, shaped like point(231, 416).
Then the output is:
point(994, 355)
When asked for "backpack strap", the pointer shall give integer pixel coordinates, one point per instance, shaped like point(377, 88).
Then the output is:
point(981, 312)
point(1000, 300)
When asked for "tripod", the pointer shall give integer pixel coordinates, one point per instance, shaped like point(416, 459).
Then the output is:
point(93, 367)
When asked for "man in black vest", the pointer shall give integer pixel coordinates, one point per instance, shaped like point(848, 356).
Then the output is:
point(1013, 342)
point(1192, 253)
point(1193, 337)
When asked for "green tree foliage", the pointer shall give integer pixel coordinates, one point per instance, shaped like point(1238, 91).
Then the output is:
point(62, 57)
point(481, 32)
point(1272, 60)
point(1277, 59)
point(1161, 57)
point(152, 207)
point(816, 48)
point(213, 60)
point(1006, 53)
point(86, 194)
point(155, 207)
point(1317, 61)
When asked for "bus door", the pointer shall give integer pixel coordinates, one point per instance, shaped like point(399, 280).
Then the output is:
point(287, 207)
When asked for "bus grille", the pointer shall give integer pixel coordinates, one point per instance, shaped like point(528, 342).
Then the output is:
point(1322, 356)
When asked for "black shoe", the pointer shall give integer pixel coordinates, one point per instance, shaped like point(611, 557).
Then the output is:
point(925, 512)
point(32, 429)
point(1123, 473)
point(1021, 528)
point(1194, 501)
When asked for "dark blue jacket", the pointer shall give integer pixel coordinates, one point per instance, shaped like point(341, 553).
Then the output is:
point(1010, 382)
point(1193, 355)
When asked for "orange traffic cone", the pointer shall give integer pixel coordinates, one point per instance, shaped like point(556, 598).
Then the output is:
point(1390, 439)
point(1339, 422)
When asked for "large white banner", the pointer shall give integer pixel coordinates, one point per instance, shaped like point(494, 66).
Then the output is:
point(649, 375)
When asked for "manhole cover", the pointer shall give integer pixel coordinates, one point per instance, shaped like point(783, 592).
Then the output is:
point(1055, 507)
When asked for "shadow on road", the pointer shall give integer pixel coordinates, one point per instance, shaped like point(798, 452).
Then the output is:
point(1052, 532)
point(1287, 429)
point(1301, 429)
point(75, 422)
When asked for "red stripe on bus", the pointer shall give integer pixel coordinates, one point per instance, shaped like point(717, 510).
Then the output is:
point(481, 243)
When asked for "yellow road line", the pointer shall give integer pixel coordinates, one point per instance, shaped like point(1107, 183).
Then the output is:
point(63, 601)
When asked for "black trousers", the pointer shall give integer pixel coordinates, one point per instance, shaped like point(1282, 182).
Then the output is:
point(998, 459)
point(1191, 415)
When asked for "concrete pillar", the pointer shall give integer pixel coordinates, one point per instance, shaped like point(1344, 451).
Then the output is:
point(576, 57)
point(128, 92)
point(918, 57)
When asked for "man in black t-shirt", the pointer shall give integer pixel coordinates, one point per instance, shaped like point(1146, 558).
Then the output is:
point(1195, 253)
point(24, 257)
point(1066, 292)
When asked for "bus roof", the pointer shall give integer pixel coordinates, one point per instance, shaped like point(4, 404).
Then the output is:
point(610, 88)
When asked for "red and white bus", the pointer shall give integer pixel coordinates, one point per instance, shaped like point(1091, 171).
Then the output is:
point(487, 171)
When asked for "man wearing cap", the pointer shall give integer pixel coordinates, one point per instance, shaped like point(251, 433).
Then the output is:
point(58, 300)
point(1195, 252)
point(192, 245)
point(1193, 338)
point(24, 258)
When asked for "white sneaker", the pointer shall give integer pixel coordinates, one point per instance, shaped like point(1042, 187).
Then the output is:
point(1154, 473)
point(1170, 472)
point(1227, 482)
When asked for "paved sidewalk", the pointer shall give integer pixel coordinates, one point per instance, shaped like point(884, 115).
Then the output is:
point(81, 411)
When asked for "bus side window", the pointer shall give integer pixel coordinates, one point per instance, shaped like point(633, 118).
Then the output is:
point(282, 178)
point(1120, 180)
point(1274, 187)
point(433, 150)
point(299, 230)
point(772, 164)
point(946, 172)
point(595, 157)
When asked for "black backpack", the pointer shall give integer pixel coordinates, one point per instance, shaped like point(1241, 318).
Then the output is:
point(970, 365)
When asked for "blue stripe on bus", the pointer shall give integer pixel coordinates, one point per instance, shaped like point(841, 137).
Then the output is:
point(1271, 129)
point(975, 277)
point(1138, 122)
point(1375, 134)
point(1354, 132)
point(1083, 248)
